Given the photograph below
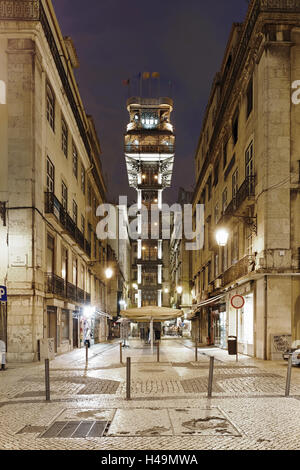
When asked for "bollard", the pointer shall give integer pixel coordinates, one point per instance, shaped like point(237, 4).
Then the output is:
point(121, 360)
point(47, 379)
point(86, 354)
point(128, 377)
point(196, 350)
point(211, 376)
point(288, 377)
point(157, 351)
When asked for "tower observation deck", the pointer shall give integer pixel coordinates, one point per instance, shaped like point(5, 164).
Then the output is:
point(149, 154)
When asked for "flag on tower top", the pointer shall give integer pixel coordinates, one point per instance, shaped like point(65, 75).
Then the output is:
point(146, 75)
point(126, 82)
point(155, 75)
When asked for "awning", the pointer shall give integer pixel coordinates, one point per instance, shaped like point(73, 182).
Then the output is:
point(204, 303)
point(146, 314)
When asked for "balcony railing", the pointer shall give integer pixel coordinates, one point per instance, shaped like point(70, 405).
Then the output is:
point(236, 271)
point(60, 287)
point(246, 190)
point(131, 148)
point(53, 206)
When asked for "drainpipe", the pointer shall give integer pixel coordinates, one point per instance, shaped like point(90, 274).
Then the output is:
point(265, 317)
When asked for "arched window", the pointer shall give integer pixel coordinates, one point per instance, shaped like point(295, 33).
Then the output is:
point(2, 92)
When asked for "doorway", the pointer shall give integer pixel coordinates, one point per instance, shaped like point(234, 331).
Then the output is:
point(52, 324)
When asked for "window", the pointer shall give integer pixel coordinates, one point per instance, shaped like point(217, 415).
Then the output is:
point(235, 247)
point(209, 272)
point(224, 200)
point(75, 161)
point(235, 183)
point(216, 265)
point(50, 254)
point(89, 195)
point(82, 179)
point(225, 146)
point(217, 213)
point(216, 174)
point(209, 188)
point(50, 107)
point(235, 128)
point(249, 98)
point(75, 211)
point(249, 164)
point(82, 225)
point(74, 270)
point(64, 137)
point(95, 245)
point(50, 176)
point(64, 196)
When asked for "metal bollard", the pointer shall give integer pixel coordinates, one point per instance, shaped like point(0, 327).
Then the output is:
point(47, 379)
point(211, 376)
point(157, 351)
point(121, 359)
point(196, 350)
point(128, 377)
point(288, 377)
point(86, 354)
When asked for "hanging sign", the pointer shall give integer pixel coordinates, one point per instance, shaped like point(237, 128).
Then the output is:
point(237, 301)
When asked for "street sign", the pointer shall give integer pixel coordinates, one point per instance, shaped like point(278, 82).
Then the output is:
point(237, 301)
point(3, 294)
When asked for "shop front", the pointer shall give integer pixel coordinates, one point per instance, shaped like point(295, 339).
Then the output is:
point(218, 326)
point(241, 322)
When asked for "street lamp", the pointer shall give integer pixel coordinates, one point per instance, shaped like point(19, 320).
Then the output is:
point(108, 273)
point(179, 290)
point(222, 237)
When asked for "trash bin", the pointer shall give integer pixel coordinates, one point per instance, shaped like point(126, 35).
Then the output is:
point(232, 345)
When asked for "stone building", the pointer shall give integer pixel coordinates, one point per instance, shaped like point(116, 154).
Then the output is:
point(247, 168)
point(50, 186)
point(181, 264)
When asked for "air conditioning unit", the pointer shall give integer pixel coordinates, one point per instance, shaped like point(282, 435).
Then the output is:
point(218, 283)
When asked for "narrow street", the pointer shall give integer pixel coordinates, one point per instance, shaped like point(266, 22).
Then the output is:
point(169, 408)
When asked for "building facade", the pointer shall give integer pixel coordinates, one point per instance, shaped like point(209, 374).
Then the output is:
point(181, 265)
point(247, 168)
point(149, 154)
point(50, 186)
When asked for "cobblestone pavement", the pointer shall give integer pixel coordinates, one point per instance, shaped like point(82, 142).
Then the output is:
point(169, 408)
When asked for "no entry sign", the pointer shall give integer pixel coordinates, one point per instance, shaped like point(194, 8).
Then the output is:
point(238, 301)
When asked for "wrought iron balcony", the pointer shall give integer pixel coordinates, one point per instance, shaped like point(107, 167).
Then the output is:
point(55, 285)
point(53, 206)
point(246, 190)
point(238, 270)
point(60, 287)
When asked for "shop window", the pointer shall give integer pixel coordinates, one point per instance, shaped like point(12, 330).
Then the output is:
point(65, 325)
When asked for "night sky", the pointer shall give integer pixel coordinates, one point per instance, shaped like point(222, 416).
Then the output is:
point(184, 40)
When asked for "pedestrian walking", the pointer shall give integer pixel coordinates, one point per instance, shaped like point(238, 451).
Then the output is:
point(2, 354)
point(88, 337)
